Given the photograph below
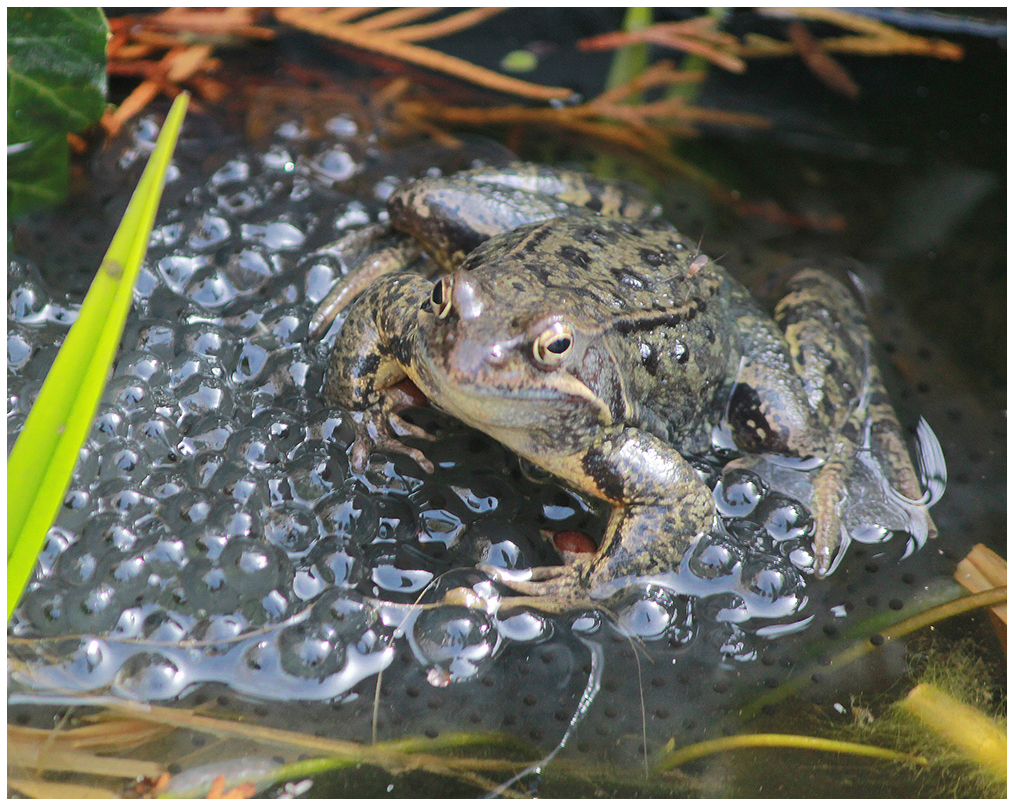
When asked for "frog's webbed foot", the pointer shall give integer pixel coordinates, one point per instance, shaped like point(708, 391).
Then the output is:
point(380, 426)
point(551, 589)
point(378, 263)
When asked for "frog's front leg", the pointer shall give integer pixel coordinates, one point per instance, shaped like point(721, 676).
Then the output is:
point(368, 363)
point(660, 506)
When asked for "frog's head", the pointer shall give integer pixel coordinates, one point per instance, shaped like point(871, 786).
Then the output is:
point(530, 363)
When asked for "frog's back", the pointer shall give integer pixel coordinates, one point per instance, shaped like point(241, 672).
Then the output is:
point(626, 269)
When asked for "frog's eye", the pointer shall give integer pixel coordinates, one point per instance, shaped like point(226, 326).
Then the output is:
point(441, 296)
point(553, 344)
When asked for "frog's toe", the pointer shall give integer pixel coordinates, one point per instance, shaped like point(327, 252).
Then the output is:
point(552, 589)
point(361, 453)
point(371, 436)
point(826, 541)
point(404, 428)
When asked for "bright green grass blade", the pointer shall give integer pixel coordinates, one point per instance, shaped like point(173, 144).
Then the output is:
point(43, 458)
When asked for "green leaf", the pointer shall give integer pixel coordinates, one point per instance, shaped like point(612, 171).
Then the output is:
point(42, 460)
point(56, 83)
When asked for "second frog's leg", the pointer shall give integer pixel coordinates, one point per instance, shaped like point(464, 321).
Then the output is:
point(374, 265)
point(831, 348)
point(452, 215)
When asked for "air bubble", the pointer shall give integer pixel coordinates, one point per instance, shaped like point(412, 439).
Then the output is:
point(164, 627)
point(525, 627)
point(291, 528)
point(121, 459)
point(235, 170)
point(200, 396)
point(94, 610)
point(142, 365)
point(312, 473)
point(209, 232)
point(337, 562)
point(19, 348)
point(217, 634)
point(253, 568)
point(249, 270)
point(353, 518)
point(336, 164)
point(130, 395)
point(209, 288)
point(276, 236)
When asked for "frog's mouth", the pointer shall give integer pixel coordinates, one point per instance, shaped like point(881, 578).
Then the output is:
point(502, 398)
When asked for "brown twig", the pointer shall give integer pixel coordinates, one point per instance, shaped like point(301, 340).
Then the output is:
point(698, 39)
point(396, 17)
point(821, 64)
point(446, 26)
point(390, 45)
point(876, 38)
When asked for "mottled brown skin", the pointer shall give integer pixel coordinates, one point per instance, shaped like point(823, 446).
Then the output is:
point(599, 344)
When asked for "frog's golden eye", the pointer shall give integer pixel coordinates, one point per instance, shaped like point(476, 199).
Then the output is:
point(441, 296)
point(553, 344)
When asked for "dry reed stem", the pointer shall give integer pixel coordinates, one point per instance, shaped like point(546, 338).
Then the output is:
point(393, 760)
point(34, 788)
point(983, 569)
point(185, 64)
point(342, 15)
point(142, 95)
point(234, 21)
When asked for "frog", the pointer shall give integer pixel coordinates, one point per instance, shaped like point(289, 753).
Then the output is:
point(559, 314)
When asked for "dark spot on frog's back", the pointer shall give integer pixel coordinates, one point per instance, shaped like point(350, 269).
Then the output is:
point(575, 256)
point(649, 357)
point(607, 480)
point(654, 258)
point(629, 277)
point(401, 349)
point(532, 238)
point(595, 234)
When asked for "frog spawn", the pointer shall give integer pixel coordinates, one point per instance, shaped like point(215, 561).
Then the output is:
point(213, 533)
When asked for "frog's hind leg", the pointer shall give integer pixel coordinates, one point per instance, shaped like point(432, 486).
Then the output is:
point(831, 348)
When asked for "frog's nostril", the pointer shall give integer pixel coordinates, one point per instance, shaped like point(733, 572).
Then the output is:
point(496, 355)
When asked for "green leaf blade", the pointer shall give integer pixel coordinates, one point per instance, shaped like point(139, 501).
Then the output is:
point(43, 458)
